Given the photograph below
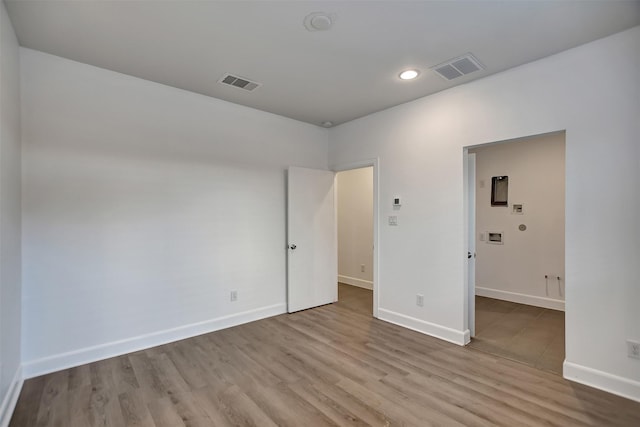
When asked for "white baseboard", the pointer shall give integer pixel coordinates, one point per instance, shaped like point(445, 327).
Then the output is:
point(82, 356)
point(553, 304)
point(11, 398)
point(467, 336)
point(602, 380)
point(353, 281)
point(442, 332)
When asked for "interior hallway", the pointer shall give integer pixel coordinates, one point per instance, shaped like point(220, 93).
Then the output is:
point(520, 332)
point(356, 299)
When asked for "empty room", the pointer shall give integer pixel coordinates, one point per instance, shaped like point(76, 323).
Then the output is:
point(173, 250)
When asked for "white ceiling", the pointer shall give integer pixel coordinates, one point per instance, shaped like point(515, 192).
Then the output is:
point(337, 75)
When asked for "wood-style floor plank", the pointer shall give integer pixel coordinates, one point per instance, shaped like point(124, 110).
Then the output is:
point(330, 366)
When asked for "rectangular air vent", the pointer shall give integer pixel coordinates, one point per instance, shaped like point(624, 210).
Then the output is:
point(458, 67)
point(239, 82)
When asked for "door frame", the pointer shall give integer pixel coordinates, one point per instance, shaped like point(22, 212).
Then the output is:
point(469, 208)
point(375, 164)
point(469, 298)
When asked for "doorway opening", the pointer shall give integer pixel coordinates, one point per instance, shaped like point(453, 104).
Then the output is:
point(516, 249)
point(356, 231)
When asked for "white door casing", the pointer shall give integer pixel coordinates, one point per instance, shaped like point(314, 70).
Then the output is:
point(373, 163)
point(471, 244)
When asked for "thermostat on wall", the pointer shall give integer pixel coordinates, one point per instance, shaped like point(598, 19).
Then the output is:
point(396, 201)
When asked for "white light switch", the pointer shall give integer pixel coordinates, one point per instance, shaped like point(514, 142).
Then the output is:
point(393, 220)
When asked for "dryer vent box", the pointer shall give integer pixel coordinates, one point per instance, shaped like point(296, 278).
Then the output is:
point(495, 237)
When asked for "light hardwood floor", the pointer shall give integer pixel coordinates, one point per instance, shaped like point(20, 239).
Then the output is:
point(333, 365)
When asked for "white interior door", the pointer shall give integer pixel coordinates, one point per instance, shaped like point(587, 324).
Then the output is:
point(471, 254)
point(312, 261)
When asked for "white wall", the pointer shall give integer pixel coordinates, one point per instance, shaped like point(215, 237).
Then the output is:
point(355, 227)
point(593, 92)
point(144, 205)
point(515, 271)
point(10, 305)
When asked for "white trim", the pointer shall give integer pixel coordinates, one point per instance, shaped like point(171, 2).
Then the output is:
point(467, 336)
point(11, 398)
point(354, 281)
point(469, 265)
point(82, 356)
point(442, 332)
point(375, 163)
point(610, 383)
point(553, 304)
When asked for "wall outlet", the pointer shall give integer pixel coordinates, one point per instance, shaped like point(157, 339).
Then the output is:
point(420, 300)
point(633, 349)
point(361, 268)
point(233, 296)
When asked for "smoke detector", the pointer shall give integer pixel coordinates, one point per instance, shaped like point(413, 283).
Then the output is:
point(319, 21)
point(239, 82)
point(458, 67)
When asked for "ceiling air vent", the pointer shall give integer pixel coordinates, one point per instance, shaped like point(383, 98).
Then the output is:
point(458, 67)
point(239, 82)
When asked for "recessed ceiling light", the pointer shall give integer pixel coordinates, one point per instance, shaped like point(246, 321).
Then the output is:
point(409, 74)
point(327, 124)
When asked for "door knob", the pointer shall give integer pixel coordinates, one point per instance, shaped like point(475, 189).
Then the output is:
point(292, 247)
point(468, 255)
